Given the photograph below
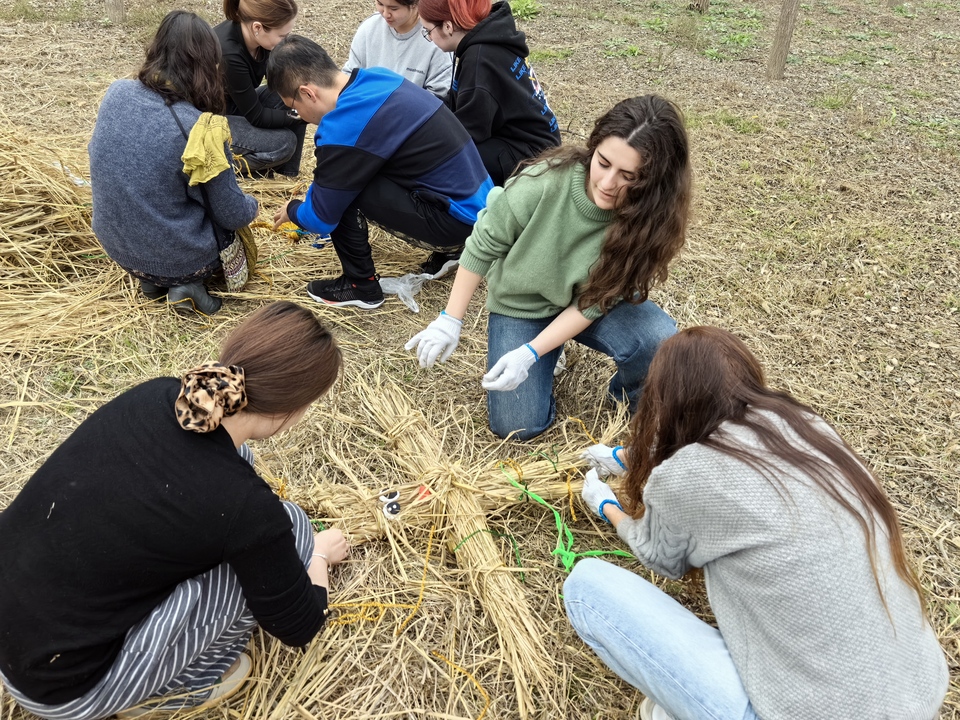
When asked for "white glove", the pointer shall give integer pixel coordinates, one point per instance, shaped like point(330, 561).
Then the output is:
point(438, 340)
point(604, 459)
point(596, 491)
point(510, 370)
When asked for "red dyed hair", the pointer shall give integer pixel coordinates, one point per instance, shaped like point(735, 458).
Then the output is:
point(465, 14)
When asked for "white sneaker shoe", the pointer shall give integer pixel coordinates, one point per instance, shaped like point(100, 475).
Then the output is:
point(649, 710)
point(561, 365)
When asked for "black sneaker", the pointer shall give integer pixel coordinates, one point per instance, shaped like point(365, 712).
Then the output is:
point(364, 294)
point(439, 264)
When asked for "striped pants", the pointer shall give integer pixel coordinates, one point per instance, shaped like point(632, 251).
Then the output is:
point(181, 648)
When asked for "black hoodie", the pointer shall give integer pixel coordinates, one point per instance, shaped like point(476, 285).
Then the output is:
point(495, 93)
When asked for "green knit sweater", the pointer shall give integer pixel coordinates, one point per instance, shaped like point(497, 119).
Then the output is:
point(536, 241)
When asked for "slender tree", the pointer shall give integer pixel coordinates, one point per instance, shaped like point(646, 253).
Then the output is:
point(781, 41)
point(116, 11)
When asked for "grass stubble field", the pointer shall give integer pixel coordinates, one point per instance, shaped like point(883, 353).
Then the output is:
point(824, 233)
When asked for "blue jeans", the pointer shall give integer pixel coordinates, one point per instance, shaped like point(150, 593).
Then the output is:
point(630, 334)
point(654, 643)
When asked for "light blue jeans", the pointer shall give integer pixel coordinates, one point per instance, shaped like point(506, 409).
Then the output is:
point(630, 334)
point(654, 643)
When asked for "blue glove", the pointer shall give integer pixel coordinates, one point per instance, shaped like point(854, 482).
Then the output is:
point(511, 369)
point(597, 494)
point(604, 459)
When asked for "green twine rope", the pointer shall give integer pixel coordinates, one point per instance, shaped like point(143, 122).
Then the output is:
point(564, 548)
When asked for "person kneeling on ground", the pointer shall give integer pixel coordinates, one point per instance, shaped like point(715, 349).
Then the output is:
point(386, 150)
point(819, 613)
point(141, 555)
point(570, 249)
point(155, 221)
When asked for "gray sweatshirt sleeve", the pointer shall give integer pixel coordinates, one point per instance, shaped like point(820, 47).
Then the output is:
point(230, 207)
point(662, 548)
point(439, 74)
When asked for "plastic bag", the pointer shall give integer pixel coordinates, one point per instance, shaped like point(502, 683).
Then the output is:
point(408, 285)
point(405, 287)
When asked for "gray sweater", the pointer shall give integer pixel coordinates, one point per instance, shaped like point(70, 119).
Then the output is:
point(790, 584)
point(144, 214)
point(376, 44)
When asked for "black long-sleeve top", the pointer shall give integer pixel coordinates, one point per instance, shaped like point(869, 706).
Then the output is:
point(127, 508)
point(243, 74)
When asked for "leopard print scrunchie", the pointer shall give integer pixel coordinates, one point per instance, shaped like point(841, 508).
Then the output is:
point(208, 394)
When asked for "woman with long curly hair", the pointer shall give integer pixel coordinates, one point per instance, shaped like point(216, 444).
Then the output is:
point(819, 613)
point(142, 554)
point(570, 249)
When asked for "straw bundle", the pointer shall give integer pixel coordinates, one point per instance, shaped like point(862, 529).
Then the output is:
point(420, 452)
point(45, 232)
point(47, 245)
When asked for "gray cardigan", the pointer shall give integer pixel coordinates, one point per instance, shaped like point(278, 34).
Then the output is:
point(790, 584)
point(144, 214)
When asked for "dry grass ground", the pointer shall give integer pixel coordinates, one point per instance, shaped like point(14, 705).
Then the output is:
point(825, 234)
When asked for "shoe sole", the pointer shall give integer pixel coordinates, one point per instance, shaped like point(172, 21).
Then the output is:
point(444, 270)
point(188, 308)
point(347, 303)
point(226, 688)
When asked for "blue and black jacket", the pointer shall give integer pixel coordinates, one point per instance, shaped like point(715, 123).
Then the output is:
point(385, 125)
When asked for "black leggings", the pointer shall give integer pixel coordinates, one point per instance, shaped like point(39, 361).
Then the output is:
point(417, 216)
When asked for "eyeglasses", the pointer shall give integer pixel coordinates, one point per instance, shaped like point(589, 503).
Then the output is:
point(292, 112)
point(426, 33)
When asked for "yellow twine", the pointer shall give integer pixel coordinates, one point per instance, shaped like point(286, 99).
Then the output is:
point(366, 612)
point(423, 583)
point(278, 484)
point(241, 160)
point(486, 697)
point(584, 426)
point(374, 611)
point(573, 514)
point(287, 229)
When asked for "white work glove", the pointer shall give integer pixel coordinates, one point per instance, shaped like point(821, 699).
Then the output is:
point(597, 493)
point(604, 459)
point(511, 369)
point(438, 340)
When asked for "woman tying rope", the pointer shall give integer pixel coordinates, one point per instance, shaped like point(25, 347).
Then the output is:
point(819, 613)
point(141, 555)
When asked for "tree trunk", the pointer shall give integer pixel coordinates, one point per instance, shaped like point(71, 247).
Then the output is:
point(116, 12)
point(781, 41)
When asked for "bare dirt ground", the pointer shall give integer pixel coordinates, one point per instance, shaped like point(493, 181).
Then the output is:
point(825, 234)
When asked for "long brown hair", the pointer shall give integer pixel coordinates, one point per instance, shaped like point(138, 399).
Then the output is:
point(465, 14)
point(651, 220)
point(181, 63)
point(703, 377)
point(269, 13)
point(288, 357)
